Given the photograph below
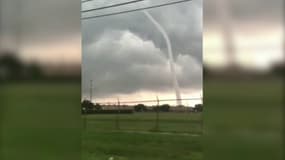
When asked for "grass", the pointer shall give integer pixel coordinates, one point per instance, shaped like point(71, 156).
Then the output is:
point(243, 120)
point(102, 140)
point(129, 146)
point(168, 122)
point(40, 121)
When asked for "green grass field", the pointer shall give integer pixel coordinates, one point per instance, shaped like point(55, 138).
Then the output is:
point(167, 122)
point(243, 118)
point(129, 146)
point(177, 137)
point(42, 121)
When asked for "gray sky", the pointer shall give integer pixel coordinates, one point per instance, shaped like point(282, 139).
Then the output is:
point(45, 31)
point(244, 11)
point(125, 54)
point(114, 48)
point(256, 29)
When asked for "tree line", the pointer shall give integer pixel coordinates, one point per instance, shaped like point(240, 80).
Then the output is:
point(89, 107)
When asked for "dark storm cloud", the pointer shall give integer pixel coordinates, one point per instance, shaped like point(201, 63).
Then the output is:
point(125, 53)
point(183, 23)
point(124, 63)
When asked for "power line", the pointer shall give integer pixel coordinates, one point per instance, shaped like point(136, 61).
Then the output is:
point(133, 10)
point(86, 1)
point(146, 101)
point(111, 6)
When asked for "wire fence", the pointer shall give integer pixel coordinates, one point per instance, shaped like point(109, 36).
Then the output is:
point(144, 116)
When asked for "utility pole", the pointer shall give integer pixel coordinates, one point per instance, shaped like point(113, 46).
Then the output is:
point(91, 90)
point(157, 115)
point(118, 115)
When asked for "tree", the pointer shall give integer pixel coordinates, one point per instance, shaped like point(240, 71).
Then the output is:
point(140, 108)
point(34, 71)
point(164, 108)
point(279, 69)
point(87, 106)
point(198, 108)
point(97, 107)
point(11, 68)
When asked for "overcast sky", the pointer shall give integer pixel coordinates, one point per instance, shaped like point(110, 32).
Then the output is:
point(125, 54)
point(256, 29)
point(47, 31)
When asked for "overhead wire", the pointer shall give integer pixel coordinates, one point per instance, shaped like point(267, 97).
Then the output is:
point(147, 101)
point(86, 1)
point(134, 10)
point(112, 6)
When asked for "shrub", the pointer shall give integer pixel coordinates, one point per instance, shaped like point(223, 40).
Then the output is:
point(140, 108)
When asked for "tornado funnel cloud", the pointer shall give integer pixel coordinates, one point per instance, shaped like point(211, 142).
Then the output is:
point(170, 55)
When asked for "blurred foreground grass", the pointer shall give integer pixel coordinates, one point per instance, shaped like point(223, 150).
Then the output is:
point(40, 121)
point(243, 119)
